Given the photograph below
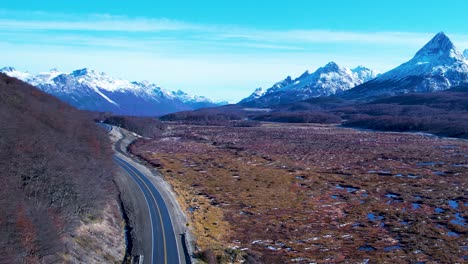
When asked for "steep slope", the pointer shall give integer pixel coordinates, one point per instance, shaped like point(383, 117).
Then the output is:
point(436, 67)
point(465, 54)
point(259, 92)
point(90, 90)
point(58, 201)
point(328, 80)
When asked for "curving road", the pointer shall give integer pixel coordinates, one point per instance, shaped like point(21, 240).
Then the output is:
point(164, 249)
point(164, 245)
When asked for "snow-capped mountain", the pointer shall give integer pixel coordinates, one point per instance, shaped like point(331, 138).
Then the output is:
point(96, 91)
point(195, 101)
point(259, 92)
point(465, 54)
point(436, 67)
point(328, 80)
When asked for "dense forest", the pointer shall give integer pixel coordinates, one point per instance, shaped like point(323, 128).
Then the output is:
point(56, 172)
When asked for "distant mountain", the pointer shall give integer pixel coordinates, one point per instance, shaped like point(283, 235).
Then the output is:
point(436, 67)
point(259, 92)
point(91, 90)
point(328, 80)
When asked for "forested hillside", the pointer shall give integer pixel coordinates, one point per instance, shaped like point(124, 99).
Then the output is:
point(56, 179)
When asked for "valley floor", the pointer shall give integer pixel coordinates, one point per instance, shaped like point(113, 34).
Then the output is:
point(314, 193)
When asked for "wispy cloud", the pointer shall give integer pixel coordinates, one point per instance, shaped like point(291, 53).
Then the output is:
point(116, 24)
point(110, 23)
point(324, 36)
point(194, 57)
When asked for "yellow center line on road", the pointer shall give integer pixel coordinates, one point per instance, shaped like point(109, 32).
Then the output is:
point(154, 199)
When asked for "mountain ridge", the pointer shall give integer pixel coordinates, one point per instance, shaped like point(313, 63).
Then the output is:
point(325, 81)
point(88, 89)
point(437, 66)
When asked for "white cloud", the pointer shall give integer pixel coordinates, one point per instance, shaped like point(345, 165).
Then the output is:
point(218, 61)
point(98, 24)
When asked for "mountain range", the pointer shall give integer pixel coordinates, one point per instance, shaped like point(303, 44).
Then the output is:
point(328, 80)
point(437, 66)
point(96, 91)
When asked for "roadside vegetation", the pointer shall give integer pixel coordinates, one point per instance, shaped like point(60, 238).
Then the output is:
point(301, 193)
point(58, 200)
point(143, 126)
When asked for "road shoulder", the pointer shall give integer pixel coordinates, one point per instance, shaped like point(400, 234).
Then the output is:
point(122, 138)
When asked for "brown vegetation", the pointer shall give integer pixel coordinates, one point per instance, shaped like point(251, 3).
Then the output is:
point(56, 176)
point(442, 113)
point(308, 193)
point(143, 126)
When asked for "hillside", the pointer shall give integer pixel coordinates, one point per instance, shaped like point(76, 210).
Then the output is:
point(58, 200)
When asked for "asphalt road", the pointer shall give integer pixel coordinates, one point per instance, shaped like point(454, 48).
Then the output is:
point(164, 249)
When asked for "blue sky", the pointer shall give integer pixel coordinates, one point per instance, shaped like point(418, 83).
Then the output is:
point(220, 49)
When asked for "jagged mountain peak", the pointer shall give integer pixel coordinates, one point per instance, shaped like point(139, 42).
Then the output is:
point(259, 92)
point(281, 84)
point(437, 57)
point(327, 80)
point(465, 54)
point(288, 79)
point(331, 67)
point(437, 66)
point(439, 46)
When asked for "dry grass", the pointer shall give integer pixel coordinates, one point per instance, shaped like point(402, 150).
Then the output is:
point(302, 193)
point(99, 240)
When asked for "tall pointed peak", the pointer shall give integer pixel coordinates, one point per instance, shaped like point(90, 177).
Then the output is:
point(439, 45)
point(331, 66)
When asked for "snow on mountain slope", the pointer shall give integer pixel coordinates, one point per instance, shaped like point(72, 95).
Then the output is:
point(436, 67)
point(259, 92)
point(327, 80)
point(96, 91)
point(465, 54)
point(330, 79)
